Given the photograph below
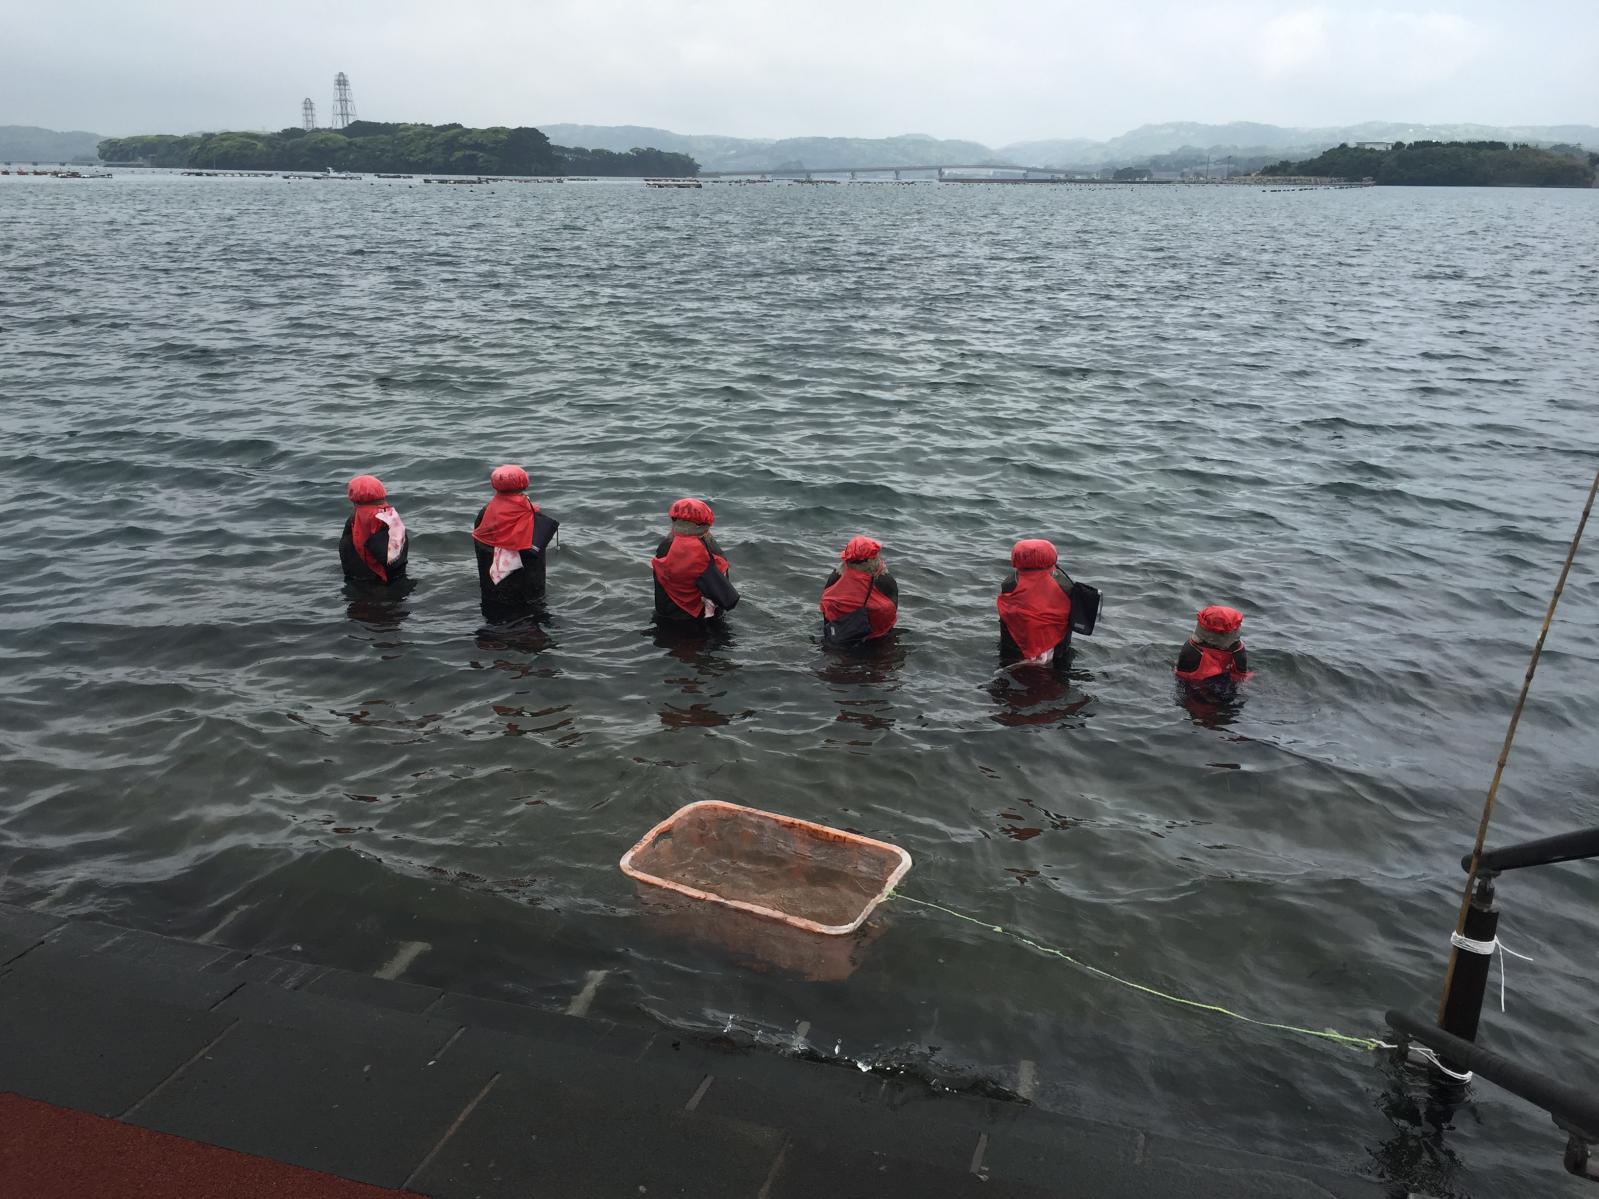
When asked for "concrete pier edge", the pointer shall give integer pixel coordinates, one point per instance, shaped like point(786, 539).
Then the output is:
point(396, 1084)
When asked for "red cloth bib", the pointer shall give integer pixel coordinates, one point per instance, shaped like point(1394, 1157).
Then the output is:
point(844, 596)
point(365, 523)
point(1035, 613)
point(679, 570)
point(1213, 663)
point(507, 522)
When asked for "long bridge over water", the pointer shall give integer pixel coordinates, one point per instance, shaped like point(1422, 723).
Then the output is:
point(939, 169)
point(1022, 174)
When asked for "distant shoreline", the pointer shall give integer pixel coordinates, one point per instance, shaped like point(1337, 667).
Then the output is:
point(1169, 151)
point(1450, 164)
point(372, 147)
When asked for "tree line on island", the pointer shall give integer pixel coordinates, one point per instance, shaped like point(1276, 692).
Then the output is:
point(390, 148)
point(1450, 164)
point(397, 148)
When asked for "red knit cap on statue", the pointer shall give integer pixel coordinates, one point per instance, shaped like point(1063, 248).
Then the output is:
point(366, 489)
point(861, 549)
point(696, 512)
point(508, 478)
point(1221, 620)
point(1034, 554)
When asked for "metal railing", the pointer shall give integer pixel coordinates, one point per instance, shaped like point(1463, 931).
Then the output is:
point(1454, 1034)
point(1546, 851)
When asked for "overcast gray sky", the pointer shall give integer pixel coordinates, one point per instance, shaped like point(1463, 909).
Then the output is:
point(993, 70)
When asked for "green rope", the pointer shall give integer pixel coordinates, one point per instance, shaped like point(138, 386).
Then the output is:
point(1338, 1038)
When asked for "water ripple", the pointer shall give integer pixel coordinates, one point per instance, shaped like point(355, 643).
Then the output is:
point(1366, 418)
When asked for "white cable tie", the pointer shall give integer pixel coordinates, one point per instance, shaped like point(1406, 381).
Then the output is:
point(1488, 947)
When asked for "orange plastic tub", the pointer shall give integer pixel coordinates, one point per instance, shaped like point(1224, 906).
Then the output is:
point(808, 876)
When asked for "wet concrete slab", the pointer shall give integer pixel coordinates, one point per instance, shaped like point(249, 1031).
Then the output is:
point(328, 1103)
point(379, 992)
point(811, 1169)
point(95, 1050)
point(537, 1136)
point(178, 982)
point(396, 1036)
point(21, 930)
point(399, 1082)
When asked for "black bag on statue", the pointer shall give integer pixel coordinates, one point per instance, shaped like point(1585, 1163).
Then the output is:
point(852, 627)
point(1085, 605)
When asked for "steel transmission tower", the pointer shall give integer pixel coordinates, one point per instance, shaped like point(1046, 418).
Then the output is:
point(308, 114)
point(343, 105)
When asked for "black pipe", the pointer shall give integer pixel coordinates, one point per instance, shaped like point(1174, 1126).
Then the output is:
point(1576, 1108)
point(1468, 981)
point(1562, 847)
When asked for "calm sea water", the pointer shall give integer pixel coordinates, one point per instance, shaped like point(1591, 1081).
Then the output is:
point(1366, 418)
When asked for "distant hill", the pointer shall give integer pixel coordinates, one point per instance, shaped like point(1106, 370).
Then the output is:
point(1247, 139)
point(1051, 152)
point(1166, 146)
point(29, 143)
point(911, 149)
point(382, 146)
point(1247, 142)
point(703, 148)
point(1448, 164)
point(717, 153)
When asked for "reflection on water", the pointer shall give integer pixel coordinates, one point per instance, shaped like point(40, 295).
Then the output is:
point(381, 607)
point(512, 616)
point(869, 662)
point(1024, 826)
point(752, 942)
point(555, 720)
point(1417, 1158)
point(1029, 694)
point(694, 716)
point(705, 648)
point(988, 389)
point(527, 639)
point(860, 679)
point(386, 714)
point(1214, 707)
point(524, 635)
point(693, 641)
point(873, 714)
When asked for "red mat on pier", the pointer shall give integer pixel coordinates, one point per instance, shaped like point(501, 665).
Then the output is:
point(56, 1153)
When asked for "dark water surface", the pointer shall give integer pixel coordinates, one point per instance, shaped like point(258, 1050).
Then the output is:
point(1366, 418)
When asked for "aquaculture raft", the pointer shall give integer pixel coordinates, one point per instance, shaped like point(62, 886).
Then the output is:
point(805, 875)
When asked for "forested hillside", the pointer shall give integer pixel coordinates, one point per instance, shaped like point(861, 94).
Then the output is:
point(399, 148)
point(1451, 164)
